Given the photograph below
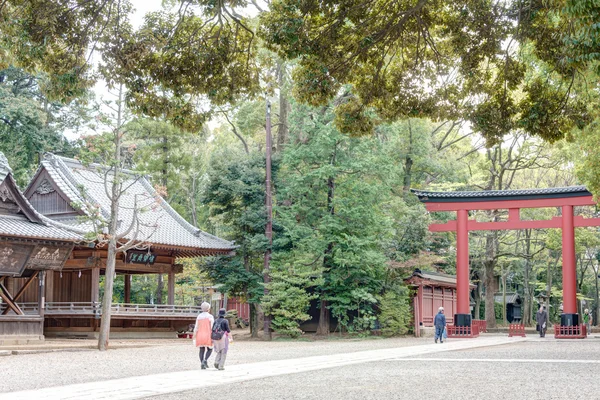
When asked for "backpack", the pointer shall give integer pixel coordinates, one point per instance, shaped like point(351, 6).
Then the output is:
point(217, 332)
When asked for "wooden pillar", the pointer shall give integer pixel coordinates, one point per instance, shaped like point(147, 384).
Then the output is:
point(420, 302)
point(50, 286)
point(127, 279)
point(95, 297)
point(569, 316)
point(171, 288)
point(41, 292)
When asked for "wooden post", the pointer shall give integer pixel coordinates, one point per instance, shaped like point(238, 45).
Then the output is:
point(49, 286)
point(95, 296)
point(127, 279)
point(171, 288)
point(269, 225)
point(41, 292)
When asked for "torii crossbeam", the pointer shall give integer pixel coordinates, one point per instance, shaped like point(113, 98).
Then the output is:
point(512, 200)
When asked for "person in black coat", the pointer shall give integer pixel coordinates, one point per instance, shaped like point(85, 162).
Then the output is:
point(221, 346)
point(542, 320)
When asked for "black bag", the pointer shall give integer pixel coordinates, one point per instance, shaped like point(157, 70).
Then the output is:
point(217, 332)
point(537, 327)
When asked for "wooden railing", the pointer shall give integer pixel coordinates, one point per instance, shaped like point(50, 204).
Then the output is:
point(91, 308)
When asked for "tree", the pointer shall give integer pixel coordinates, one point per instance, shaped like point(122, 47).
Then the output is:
point(30, 124)
point(497, 65)
point(111, 156)
point(236, 197)
point(330, 195)
point(177, 60)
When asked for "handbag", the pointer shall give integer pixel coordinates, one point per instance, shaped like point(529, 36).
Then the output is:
point(217, 333)
point(537, 327)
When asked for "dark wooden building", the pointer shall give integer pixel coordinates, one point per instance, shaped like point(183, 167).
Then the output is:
point(73, 294)
point(32, 247)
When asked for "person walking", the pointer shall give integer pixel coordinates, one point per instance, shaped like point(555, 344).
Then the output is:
point(587, 319)
point(202, 333)
point(221, 346)
point(542, 320)
point(440, 324)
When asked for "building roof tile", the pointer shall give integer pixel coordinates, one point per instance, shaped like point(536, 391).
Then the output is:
point(159, 223)
point(27, 222)
point(490, 195)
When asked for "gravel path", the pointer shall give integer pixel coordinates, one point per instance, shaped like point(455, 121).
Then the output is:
point(533, 364)
point(32, 371)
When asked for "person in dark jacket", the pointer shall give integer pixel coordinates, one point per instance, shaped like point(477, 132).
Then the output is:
point(542, 320)
point(440, 324)
point(221, 346)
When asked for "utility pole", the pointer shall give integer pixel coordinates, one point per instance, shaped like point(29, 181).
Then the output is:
point(269, 226)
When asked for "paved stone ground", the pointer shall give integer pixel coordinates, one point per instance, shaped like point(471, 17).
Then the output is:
point(77, 363)
point(364, 369)
point(565, 369)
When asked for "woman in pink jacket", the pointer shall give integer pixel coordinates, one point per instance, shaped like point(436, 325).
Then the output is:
point(202, 331)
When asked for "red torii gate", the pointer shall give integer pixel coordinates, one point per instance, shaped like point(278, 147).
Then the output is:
point(512, 200)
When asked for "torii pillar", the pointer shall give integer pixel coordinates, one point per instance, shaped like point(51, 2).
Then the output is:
point(569, 317)
point(463, 311)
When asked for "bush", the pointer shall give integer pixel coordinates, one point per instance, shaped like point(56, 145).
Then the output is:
point(395, 314)
point(288, 301)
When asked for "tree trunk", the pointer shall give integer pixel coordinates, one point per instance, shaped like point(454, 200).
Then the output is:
point(323, 328)
point(408, 161)
point(160, 285)
point(478, 300)
point(284, 105)
point(549, 274)
point(194, 212)
point(490, 266)
point(527, 301)
point(254, 320)
point(109, 273)
point(595, 314)
point(504, 319)
point(165, 180)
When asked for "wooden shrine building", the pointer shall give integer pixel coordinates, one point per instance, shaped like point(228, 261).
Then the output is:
point(73, 294)
point(31, 248)
point(432, 290)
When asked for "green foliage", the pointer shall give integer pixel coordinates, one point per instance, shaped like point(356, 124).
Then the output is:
point(395, 313)
point(30, 124)
point(288, 300)
point(587, 169)
point(351, 118)
point(498, 311)
point(236, 197)
point(475, 65)
point(329, 203)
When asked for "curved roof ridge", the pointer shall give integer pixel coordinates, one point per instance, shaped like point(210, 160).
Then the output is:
point(41, 219)
point(488, 195)
point(182, 221)
point(72, 181)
